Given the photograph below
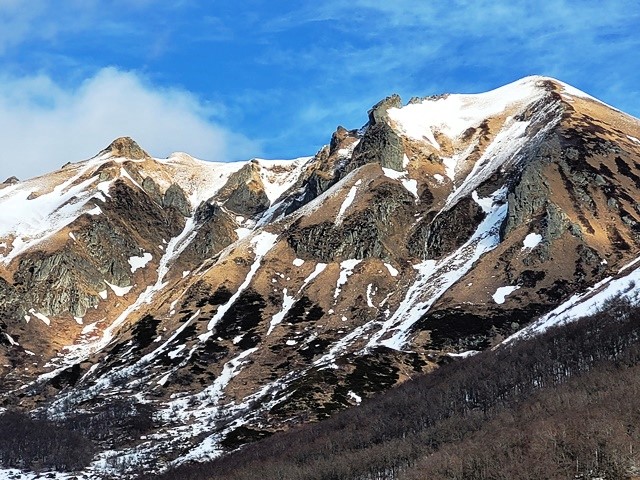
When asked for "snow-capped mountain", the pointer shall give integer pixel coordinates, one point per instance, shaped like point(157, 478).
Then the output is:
point(235, 299)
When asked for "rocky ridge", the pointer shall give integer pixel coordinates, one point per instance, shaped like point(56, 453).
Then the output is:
point(237, 299)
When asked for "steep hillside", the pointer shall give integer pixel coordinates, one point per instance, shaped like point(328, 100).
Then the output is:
point(232, 300)
point(561, 405)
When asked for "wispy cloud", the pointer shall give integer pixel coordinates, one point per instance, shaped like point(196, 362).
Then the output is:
point(45, 125)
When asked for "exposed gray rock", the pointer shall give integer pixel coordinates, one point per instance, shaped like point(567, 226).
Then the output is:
point(151, 187)
point(380, 144)
point(435, 237)
point(244, 192)
point(11, 181)
point(378, 113)
point(216, 231)
point(363, 234)
point(175, 197)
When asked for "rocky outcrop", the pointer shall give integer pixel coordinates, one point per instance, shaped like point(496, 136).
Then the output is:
point(125, 147)
point(436, 237)
point(175, 197)
point(380, 143)
point(244, 192)
point(216, 231)
point(11, 181)
point(368, 233)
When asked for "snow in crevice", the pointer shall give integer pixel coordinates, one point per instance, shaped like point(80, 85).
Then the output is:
point(346, 270)
point(409, 184)
point(288, 301)
point(278, 176)
point(348, 200)
point(262, 243)
point(436, 277)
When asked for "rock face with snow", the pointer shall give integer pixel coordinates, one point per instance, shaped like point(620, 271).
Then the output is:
point(236, 299)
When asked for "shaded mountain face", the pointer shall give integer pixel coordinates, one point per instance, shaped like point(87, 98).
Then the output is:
point(237, 299)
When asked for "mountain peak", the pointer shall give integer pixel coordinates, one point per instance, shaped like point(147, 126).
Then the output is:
point(125, 147)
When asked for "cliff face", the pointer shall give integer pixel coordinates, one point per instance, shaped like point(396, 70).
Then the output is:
point(236, 299)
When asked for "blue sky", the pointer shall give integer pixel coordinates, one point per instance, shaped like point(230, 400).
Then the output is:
point(272, 78)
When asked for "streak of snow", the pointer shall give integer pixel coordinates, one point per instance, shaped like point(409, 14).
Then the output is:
point(370, 294)
point(436, 277)
point(287, 303)
point(468, 353)
point(348, 200)
point(119, 291)
point(584, 304)
point(633, 139)
point(40, 316)
point(262, 243)
point(346, 270)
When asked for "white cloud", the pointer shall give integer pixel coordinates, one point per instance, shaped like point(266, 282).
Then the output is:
point(44, 124)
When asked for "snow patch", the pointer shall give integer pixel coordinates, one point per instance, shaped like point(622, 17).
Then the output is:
point(468, 353)
point(119, 291)
point(531, 241)
point(298, 262)
point(140, 262)
point(502, 292)
point(354, 397)
point(392, 271)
